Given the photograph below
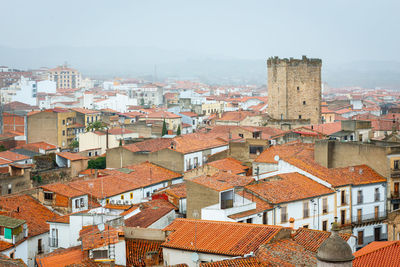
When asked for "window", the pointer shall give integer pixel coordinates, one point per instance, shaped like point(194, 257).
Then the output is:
point(40, 248)
point(359, 197)
point(63, 132)
point(377, 195)
point(324, 205)
point(299, 117)
point(90, 154)
point(284, 214)
point(63, 122)
point(100, 254)
point(9, 189)
point(82, 202)
point(396, 164)
point(305, 226)
point(77, 204)
point(359, 215)
point(147, 194)
point(298, 88)
point(304, 102)
point(306, 209)
point(265, 218)
point(87, 119)
point(343, 197)
point(1, 230)
point(12, 255)
point(122, 197)
point(131, 195)
point(196, 162)
point(48, 196)
point(360, 238)
point(343, 217)
point(107, 201)
point(249, 220)
point(324, 225)
point(376, 212)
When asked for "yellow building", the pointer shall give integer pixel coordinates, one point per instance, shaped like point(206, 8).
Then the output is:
point(86, 116)
point(172, 120)
point(54, 126)
point(212, 107)
point(65, 77)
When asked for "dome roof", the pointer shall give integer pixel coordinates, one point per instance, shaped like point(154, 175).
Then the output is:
point(335, 249)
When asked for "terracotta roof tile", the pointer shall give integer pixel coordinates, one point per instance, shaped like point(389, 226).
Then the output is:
point(221, 181)
point(26, 208)
point(151, 213)
point(229, 164)
point(136, 250)
point(63, 189)
point(378, 253)
point(92, 237)
point(71, 156)
point(11, 156)
point(286, 252)
point(151, 145)
point(61, 257)
point(5, 245)
point(85, 111)
point(225, 238)
point(243, 262)
point(313, 239)
point(288, 187)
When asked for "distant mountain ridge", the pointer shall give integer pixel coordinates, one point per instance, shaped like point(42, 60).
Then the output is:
point(108, 62)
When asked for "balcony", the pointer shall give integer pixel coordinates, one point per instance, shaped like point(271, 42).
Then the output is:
point(370, 217)
point(53, 242)
point(395, 173)
point(395, 194)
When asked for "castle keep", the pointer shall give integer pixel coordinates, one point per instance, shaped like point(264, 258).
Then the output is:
point(294, 89)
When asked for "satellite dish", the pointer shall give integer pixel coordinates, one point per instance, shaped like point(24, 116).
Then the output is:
point(101, 227)
point(195, 257)
point(276, 158)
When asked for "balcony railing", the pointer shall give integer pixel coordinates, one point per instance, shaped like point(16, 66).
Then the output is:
point(395, 173)
point(370, 217)
point(395, 194)
point(53, 242)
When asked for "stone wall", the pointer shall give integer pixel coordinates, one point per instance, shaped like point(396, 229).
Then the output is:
point(198, 197)
point(294, 88)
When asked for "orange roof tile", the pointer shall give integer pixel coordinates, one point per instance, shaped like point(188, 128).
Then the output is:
point(151, 145)
point(5, 245)
point(92, 237)
point(8, 155)
point(288, 187)
point(71, 156)
point(243, 262)
point(189, 114)
point(151, 212)
point(286, 252)
point(85, 111)
point(229, 164)
point(224, 238)
point(136, 250)
point(196, 142)
point(283, 151)
point(27, 208)
point(61, 257)
point(177, 190)
point(378, 253)
point(221, 181)
point(313, 239)
point(63, 189)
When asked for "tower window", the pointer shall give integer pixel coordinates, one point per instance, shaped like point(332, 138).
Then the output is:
point(299, 117)
point(304, 102)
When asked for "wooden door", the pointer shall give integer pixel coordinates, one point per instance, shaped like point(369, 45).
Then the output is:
point(343, 217)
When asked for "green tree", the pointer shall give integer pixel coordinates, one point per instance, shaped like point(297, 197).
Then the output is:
point(178, 132)
point(99, 163)
point(74, 144)
point(164, 128)
point(2, 148)
point(96, 125)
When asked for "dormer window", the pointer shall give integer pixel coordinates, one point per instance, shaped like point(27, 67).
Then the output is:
point(48, 195)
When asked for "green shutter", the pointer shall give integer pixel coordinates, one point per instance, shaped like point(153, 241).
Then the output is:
point(7, 233)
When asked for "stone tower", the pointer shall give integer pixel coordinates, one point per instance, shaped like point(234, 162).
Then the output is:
point(294, 89)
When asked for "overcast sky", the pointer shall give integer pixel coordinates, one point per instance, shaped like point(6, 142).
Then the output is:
point(339, 30)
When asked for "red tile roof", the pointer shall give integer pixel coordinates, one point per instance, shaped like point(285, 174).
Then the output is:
point(27, 208)
point(151, 145)
point(313, 239)
point(8, 155)
point(286, 252)
point(92, 237)
point(63, 189)
point(378, 253)
point(5, 245)
point(224, 238)
point(136, 250)
point(85, 111)
point(288, 187)
point(162, 115)
point(71, 156)
point(229, 164)
point(221, 181)
point(243, 262)
point(151, 212)
point(189, 114)
point(61, 257)
point(326, 128)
